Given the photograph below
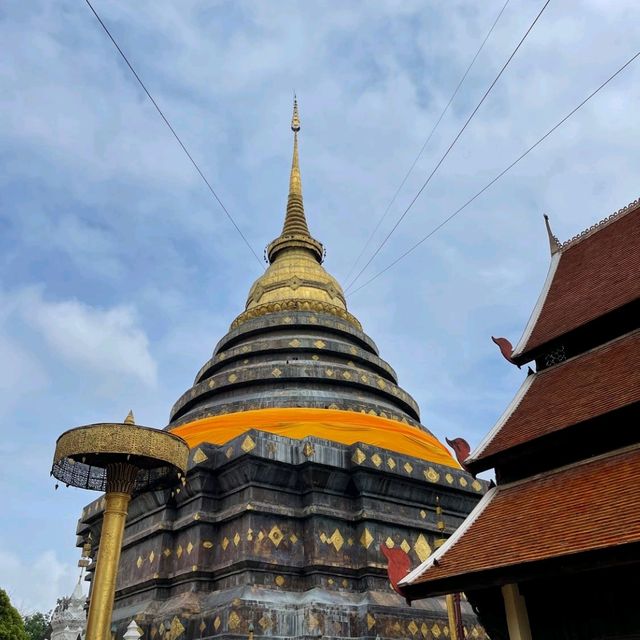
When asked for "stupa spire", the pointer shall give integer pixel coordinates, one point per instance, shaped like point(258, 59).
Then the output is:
point(295, 232)
point(295, 221)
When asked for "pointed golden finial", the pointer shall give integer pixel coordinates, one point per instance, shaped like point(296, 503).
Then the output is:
point(554, 243)
point(295, 232)
point(295, 118)
point(129, 419)
point(295, 208)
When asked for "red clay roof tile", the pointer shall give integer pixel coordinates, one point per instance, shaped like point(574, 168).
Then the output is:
point(595, 275)
point(584, 387)
point(587, 506)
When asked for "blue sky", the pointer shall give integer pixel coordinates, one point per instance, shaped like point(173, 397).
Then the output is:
point(118, 272)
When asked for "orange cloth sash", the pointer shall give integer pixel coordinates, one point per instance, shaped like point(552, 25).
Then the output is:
point(345, 427)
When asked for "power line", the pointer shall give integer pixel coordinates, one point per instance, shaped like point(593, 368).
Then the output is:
point(505, 170)
point(175, 135)
point(446, 153)
point(433, 130)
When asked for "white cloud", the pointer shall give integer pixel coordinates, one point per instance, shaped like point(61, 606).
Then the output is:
point(106, 341)
point(34, 584)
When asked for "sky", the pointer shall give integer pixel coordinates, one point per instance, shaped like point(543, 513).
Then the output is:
point(119, 272)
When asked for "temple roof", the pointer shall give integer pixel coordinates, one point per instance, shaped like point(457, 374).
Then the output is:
point(587, 386)
point(296, 346)
point(591, 275)
point(590, 506)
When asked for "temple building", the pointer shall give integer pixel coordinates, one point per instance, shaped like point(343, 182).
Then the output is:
point(553, 551)
point(68, 620)
point(306, 458)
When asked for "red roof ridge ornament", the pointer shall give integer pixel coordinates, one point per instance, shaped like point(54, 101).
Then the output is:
point(554, 243)
point(506, 349)
point(462, 449)
point(398, 567)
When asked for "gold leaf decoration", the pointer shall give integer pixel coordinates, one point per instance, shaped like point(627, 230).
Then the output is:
point(199, 456)
point(248, 444)
point(422, 548)
point(431, 475)
point(234, 621)
point(358, 456)
point(336, 540)
point(366, 538)
point(275, 535)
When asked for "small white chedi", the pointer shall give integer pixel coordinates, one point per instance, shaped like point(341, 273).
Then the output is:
point(69, 618)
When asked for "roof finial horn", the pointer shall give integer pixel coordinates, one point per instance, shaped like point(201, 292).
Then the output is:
point(554, 243)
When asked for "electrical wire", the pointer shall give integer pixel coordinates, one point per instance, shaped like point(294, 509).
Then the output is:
point(175, 135)
point(505, 170)
point(446, 153)
point(426, 142)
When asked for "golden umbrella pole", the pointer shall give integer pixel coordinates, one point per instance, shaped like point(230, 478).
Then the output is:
point(120, 484)
point(120, 459)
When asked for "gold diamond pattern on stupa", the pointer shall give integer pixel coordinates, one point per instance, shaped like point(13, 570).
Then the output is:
point(463, 481)
point(431, 475)
point(475, 633)
point(232, 378)
point(376, 459)
point(391, 463)
point(202, 627)
point(449, 478)
point(236, 539)
point(313, 622)
point(234, 621)
point(320, 344)
point(476, 485)
point(260, 536)
point(423, 514)
point(370, 621)
point(152, 555)
point(139, 561)
point(248, 444)
point(295, 343)
point(424, 630)
point(176, 629)
point(358, 456)
point(293, 538)
point(366, 538)
point(229, 452)
point(199, 456)
point(323, 537)
point(390, 543)
point(422, 548)
point(207, 544)
point(435, 630)
point(405, 546)
point(308, 450)
point(276, 373)
point(275, 535)
point(179, 551)
point(279, 580)
point(167, 552)
point(189, 548)
point(225, 543)
point(336, 540)
point(413, 628)
point(216, 623)
point(264, 622)
point(408, 467)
